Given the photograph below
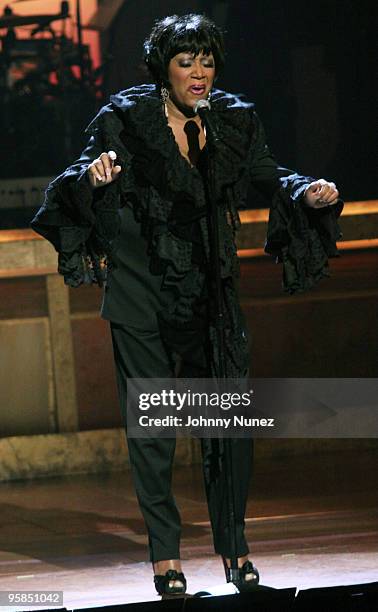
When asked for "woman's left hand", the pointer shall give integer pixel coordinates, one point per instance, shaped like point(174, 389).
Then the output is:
point(321, 193)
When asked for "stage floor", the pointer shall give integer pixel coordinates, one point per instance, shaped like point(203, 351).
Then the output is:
point(312, 521)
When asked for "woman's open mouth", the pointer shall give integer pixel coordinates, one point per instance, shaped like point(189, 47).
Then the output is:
point(197, 90)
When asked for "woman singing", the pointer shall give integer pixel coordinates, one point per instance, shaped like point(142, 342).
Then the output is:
point(135, 205)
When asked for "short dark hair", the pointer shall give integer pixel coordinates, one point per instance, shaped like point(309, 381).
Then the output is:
point(191, 33)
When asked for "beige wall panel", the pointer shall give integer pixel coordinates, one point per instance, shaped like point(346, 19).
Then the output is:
point(20, 255)
point(62, 351)
point(102, 450)
point(26, 379)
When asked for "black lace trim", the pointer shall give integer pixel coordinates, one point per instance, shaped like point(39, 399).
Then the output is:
point(301, 238)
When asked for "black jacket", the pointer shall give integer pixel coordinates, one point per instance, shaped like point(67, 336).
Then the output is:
point(149, 227)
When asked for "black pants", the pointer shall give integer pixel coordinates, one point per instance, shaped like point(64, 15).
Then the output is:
point(140, 353)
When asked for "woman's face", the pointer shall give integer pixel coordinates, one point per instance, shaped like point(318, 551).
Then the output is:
point(191, 77)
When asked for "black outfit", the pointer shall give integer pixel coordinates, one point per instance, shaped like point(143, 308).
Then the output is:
point(139, 352)
point(150, 230)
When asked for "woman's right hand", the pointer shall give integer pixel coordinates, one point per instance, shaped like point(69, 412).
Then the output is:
point(102, 170)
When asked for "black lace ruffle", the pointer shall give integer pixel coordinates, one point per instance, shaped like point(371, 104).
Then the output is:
point(301, 238)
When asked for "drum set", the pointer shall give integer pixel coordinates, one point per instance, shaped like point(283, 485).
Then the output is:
point(48, 91)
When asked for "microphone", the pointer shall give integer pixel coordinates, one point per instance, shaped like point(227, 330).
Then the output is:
point(203, 108)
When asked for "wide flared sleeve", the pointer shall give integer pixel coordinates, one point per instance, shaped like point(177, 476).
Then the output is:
point(73, 215)
point(300, 237)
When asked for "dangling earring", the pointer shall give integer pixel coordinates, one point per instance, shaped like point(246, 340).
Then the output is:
point(208, 97)
point(164, 94)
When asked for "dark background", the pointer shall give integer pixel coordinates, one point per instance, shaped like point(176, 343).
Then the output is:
point(309, 67)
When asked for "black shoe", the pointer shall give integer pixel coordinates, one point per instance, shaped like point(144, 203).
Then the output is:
point(162, 583)
point(244, 585)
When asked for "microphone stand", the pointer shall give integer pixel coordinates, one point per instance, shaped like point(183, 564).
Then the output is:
point(212, 140)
